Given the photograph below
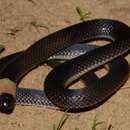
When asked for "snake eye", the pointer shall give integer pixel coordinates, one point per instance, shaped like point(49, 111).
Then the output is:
point(7, 103)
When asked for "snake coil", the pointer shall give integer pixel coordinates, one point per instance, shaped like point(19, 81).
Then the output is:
point(15, 66)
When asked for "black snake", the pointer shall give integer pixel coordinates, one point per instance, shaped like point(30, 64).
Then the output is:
point(56, 92)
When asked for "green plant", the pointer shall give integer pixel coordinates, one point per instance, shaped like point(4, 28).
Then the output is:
point(61, 122)
point(95, 124)
point(65, 116)
point(83, 14)
point(36, 25)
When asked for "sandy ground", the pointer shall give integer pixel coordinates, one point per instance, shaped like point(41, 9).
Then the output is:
point(19, 16)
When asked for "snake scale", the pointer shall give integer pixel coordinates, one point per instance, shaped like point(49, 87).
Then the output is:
point(56, 87)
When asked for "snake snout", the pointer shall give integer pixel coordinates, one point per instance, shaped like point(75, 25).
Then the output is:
point(7, 103)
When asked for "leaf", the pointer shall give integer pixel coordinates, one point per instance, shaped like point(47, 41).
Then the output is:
point(62, 121)
point(84, 15)
point(95, 124)
point(77, 129)
point(54, 127)
point(38, 24)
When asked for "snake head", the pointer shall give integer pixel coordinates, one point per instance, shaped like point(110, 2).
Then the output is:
point(7, 103)
point(7, 95)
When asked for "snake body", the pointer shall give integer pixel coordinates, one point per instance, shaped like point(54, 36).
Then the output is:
point(56, 92)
